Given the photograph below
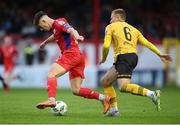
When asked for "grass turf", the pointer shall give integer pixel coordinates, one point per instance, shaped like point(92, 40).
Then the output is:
point(18, 106)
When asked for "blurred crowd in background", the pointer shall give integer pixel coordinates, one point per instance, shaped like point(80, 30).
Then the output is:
point(155, 19)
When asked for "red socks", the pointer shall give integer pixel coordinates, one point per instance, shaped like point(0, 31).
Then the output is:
point(84, 92)
point(52, 84)
point(88, 93)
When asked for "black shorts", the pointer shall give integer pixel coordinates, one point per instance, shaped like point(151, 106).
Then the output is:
point(125, 64)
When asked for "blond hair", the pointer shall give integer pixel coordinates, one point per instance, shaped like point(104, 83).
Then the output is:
point(120, 12)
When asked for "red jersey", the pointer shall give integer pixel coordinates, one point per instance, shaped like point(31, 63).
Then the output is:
point(8, 54)
point(65, 41)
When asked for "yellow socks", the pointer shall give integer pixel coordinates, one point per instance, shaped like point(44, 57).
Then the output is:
point(134, 89)
point(131, 88)
point(111, 92)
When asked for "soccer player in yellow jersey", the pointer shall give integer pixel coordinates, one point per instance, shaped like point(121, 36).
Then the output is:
point(124, 39)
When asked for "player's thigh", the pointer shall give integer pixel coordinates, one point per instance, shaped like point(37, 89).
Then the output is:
point(125, 65)
point(122, 81)
point(8, 68)
point(56, 70)
point(76, 75)
point(8, 71)
point(78, 70)
point(76, 84)
point(109, 77)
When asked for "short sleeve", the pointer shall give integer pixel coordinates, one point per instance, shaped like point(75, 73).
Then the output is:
point(62, 25)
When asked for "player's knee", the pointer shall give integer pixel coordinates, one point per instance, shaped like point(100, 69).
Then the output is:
point(50, 75)
point(75, 91)
point(104, 82)
point(121, 85)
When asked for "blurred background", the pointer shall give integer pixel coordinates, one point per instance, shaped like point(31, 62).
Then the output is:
point(158, 20)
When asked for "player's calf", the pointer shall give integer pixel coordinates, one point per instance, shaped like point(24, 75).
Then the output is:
point(90, 94)
point(5, 88)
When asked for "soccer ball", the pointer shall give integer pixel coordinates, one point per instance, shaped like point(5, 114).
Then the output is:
point(60, 108)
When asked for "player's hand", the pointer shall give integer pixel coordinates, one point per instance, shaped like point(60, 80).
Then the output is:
point(165, 58)
point(42, 45)
point(81, 38)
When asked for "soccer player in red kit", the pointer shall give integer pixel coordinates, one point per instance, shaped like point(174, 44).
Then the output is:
point(5, 87)
point(9, 53)
point(71, 60)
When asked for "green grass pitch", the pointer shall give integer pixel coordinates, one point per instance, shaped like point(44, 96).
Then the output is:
point(18, 107)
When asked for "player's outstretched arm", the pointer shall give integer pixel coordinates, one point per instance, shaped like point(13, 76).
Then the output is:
point(48, 40)
point(74, 32)
point(145, 42)
point(148, 44)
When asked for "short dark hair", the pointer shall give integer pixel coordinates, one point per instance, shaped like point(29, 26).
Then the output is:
point(38, 16)
point(120, 12)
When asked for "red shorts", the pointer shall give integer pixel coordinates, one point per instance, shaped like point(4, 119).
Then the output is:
point(8, 67)
point(74, 63)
